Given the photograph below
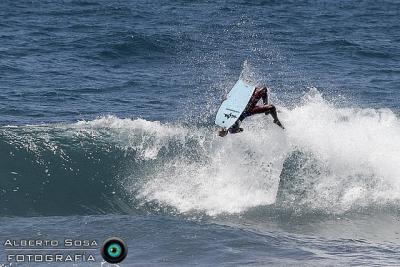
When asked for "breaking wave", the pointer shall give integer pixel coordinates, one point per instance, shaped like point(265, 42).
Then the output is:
point(328, 159)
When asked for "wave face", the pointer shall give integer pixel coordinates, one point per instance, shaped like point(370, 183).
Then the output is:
point(328, 159)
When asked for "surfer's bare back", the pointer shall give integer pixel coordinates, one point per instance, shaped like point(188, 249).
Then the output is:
point(261, 92)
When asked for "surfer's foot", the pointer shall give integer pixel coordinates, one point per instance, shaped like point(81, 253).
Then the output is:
point(277, 122)
point(236, 130)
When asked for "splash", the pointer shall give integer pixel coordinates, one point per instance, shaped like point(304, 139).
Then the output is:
point(235, 174)
point(356, 151)
point(354, 154)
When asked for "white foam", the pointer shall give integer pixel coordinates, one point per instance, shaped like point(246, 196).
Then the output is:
point(357, 149)
point(240, 172)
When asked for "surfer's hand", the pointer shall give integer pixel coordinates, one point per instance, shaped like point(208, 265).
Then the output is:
point(224, 97)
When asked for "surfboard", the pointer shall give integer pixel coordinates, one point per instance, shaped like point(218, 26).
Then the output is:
point(236, 102)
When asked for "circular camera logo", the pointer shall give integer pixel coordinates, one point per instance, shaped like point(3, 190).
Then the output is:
point(114, 250)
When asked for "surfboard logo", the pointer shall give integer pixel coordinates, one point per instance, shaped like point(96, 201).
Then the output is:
point(233, 110)
point(230, 115)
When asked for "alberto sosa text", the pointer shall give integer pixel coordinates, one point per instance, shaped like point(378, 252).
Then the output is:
point(67, 250)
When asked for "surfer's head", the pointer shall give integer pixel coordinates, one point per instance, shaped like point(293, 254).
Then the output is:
point(222, 132)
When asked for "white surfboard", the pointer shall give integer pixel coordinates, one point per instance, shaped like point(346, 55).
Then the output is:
point(236, 102)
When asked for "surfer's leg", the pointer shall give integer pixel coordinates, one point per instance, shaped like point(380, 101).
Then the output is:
point(264, 96)
point(260, 92)
point(267, 109)
point(274, 114)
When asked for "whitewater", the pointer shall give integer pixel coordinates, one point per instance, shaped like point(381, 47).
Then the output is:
point(329, 159)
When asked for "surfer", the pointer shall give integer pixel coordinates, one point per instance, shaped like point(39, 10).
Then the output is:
point(261, 92)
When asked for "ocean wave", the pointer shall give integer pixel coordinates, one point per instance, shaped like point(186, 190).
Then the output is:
point(328, 159)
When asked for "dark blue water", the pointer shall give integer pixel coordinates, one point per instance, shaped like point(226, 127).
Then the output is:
point(106, 114)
